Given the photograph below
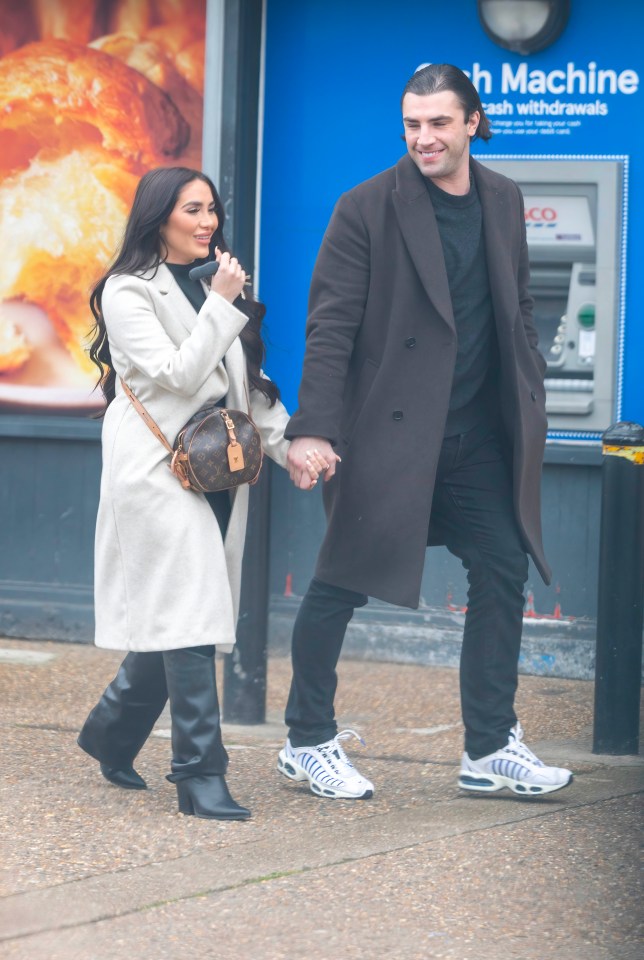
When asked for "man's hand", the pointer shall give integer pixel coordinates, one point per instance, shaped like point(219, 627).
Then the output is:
point(307, 458)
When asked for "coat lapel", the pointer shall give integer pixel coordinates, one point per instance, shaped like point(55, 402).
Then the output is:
point(499, 228)
point(183, 311)
point(417, 223)
point(177, 304)
point(235, 368)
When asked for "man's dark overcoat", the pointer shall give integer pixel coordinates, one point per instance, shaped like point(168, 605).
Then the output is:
point(378, 369)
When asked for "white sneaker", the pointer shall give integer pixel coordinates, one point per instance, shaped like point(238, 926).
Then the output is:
point(514, 767)
point(327, 768)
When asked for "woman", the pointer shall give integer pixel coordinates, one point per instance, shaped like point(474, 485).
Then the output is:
point(168, 560)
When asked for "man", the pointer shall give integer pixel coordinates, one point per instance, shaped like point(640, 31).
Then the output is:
point(423, 390)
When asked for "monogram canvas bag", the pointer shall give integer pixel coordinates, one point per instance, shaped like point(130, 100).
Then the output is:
point(217, 449)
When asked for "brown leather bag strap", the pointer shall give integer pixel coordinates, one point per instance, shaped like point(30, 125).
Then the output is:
point(145, 416)
point(149, 422)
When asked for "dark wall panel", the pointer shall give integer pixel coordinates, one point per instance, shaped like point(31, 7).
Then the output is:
point(48, 501)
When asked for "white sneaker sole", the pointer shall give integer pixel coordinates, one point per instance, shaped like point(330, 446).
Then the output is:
point(491, 782)
point(294, 771)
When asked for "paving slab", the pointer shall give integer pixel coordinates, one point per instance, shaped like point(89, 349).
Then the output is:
point(91, 872)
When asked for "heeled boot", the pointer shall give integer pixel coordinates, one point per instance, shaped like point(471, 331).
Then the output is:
point(123, 718)
point(125, 777)
point(199, 760)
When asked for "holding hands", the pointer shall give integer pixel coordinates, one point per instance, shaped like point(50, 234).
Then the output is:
point(308, 457)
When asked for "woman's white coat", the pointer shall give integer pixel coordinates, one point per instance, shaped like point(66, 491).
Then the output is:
point(163, 577)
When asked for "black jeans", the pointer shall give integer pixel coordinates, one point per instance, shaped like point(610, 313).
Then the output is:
point(472, 515)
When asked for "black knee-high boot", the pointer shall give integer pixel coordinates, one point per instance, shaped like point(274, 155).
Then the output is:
point(123, 718)
point(199, 760)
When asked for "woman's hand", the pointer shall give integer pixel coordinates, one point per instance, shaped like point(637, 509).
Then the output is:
point(307, 458)
point(230, 278)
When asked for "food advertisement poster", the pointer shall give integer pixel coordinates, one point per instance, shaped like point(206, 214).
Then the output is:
point(93, 93)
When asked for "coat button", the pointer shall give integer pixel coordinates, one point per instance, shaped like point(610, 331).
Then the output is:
point(410, 342)
point(533, 395)
point(397, 414)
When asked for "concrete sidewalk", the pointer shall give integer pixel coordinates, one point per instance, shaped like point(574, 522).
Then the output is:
point(91, 872)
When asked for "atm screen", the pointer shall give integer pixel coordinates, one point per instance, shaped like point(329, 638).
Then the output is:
point(557, 221)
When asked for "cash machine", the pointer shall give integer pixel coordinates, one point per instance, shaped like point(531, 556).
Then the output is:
point(573, 211)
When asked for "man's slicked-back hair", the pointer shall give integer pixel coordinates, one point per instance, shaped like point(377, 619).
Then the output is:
point(438, 77)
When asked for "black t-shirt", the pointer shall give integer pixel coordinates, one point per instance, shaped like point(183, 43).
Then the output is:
point(460, 225)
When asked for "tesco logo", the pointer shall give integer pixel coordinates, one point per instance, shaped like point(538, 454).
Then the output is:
point(540, 215)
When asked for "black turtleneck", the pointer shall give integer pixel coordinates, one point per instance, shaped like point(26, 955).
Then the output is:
point(191, 288)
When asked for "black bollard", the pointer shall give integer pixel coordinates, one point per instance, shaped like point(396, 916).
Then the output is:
point(620, 603)
point(244, 699)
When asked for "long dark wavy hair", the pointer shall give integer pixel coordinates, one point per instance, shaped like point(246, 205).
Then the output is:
point(143, 250)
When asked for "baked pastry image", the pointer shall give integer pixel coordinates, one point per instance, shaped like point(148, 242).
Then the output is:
point(92, 94)
point(14, 349)
point(61, 222)
point(151, 59)
point(57, 96)
point(69, 19)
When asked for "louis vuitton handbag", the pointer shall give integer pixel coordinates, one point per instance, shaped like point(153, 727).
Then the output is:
point(217, 449)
